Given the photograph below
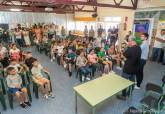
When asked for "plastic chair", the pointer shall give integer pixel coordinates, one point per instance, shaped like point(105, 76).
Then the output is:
point(163, 81)
point(153, 89)
point(11, 95)
point(2, 97)
point(153, 104)
point(132, 110)
point(36, 86)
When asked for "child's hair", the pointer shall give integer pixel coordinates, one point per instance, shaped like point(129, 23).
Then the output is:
point(28, 52)
point(34, 60)
point(9, 69)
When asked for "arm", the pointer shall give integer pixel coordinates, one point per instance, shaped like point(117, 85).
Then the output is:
point(160, 40)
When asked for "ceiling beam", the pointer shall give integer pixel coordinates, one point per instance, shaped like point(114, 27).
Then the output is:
point(37, 9)
point(91, 3)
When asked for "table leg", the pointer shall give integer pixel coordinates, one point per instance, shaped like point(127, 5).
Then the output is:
point(93, 110)
point(75, 102)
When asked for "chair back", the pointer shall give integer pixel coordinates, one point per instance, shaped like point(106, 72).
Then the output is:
point(150, 87)
point(132, 110)
point(163, 81)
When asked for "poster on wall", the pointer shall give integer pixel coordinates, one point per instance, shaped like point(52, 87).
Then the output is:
point(161, 25)
point(141, 26)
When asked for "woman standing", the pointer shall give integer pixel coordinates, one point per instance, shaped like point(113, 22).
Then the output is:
point(26, 37)
point(18, 37)
point(38, 34)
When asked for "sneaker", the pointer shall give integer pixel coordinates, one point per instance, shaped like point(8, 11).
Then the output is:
point(27, 103)
point(23, 105)
point(120, 97)
point(83, 78)
point(65, 65)
point(51, 60)
point(88, 78)
point(46, 96)
point(51, 95)
point(103, 74)
point(136, 87)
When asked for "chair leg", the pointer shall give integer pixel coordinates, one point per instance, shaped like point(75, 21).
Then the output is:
point(35, 90)
point(10, 97)
point(3, 87)
point(3, 102)
point(29, 93)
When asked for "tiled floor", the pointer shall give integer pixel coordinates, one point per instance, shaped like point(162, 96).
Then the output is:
point(64, 102)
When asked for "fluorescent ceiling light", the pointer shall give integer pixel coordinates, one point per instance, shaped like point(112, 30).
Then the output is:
point(48, 9)
point(15, 9)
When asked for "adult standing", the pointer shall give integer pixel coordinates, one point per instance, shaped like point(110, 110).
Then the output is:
point(91, 34)
point(114, 33)
point(144, 57)
point(63, 32)
point(109, 34)
point(129, 36)
point(18, 37)
point(38, 34)
point(131, 67)
point(158, 45)
point(100, 31)
point(25, 33)
point(86, 31)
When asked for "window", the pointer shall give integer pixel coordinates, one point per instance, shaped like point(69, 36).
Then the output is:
point(112, 19)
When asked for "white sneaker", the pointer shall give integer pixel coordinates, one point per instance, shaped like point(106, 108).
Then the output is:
point(65, 65)
point(83, 78)
point(51, 95)
point(88, 78)
point(103, 74)
point(51, 60)
point(46, 96)
point(136, 87)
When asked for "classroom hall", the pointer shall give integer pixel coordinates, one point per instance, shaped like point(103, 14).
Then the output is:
point(82, 57)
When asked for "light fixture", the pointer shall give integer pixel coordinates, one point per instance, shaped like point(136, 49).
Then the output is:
point(48, 9)
point(15, 9)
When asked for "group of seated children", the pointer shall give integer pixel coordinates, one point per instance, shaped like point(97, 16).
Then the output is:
point(87, 56)
point(14, 62)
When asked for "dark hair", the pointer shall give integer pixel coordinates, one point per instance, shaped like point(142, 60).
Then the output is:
point(9, 69)
point(28, 52)
point(33, 60)
point(162, 30)
point(146, 35)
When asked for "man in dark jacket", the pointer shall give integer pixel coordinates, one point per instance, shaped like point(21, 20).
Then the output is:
point(131, 67)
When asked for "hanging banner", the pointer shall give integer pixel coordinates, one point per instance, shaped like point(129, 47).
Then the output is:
point(141, 26)
point(161, 25)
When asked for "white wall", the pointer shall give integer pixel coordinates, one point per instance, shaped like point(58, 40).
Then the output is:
point(12, 18)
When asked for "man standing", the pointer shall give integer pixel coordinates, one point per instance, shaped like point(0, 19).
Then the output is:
point(131, 67)
point(144, 57)
point(86, 31)
point(158, 45)
point(100, 31)
point(91, 34)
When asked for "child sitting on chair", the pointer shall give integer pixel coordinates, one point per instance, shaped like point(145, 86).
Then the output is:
point(14, 52)
point(40, 79)
point(14, 82)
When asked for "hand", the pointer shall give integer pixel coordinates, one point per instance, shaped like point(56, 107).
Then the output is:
point(18, 86)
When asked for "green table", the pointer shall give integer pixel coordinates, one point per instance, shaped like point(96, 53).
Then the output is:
point(100, 89)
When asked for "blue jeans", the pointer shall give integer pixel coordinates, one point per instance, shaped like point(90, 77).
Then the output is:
point(131, 78)
point(85, 70)
point(156, 52)
point(164, 57)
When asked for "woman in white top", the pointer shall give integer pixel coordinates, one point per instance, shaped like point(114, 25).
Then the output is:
point(26, 37)
point(18, 37)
